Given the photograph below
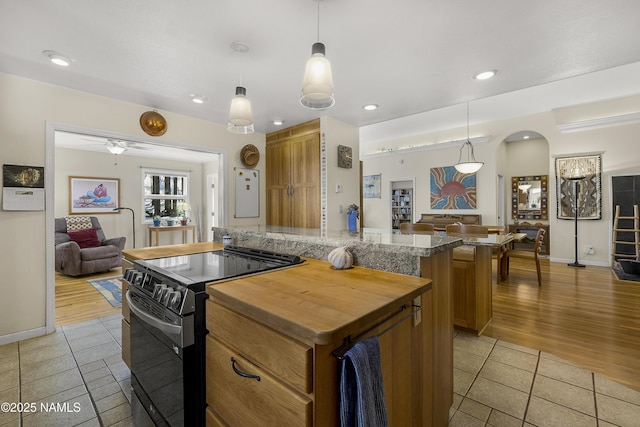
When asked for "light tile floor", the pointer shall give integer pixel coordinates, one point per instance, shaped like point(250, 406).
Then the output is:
point(496, 383)
point(73, 377)
point(501, 384)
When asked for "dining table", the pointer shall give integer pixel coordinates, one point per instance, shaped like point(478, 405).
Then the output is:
point(500, 242)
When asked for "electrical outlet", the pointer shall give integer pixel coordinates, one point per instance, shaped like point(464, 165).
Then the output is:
point(589, 250)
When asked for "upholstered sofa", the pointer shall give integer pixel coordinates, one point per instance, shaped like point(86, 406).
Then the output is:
point(440, 221)
point(98, 253)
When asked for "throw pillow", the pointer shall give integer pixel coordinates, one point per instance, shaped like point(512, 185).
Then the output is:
point(87, 238)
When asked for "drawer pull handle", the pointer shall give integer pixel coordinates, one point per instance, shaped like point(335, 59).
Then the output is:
point(242, 374)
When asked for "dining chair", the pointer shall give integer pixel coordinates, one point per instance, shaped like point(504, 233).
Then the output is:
point(415, 228)
point(516, 253)
point(467, 229)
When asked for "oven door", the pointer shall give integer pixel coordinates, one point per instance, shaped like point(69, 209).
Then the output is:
point(159, 361)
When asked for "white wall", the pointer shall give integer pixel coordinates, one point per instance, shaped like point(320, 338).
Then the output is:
point(129, 170)
point(26, 106)
point(337, 133)
point(619, 145)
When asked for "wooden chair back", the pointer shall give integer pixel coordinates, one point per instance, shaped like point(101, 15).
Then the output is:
point(472, 229)
point(530, 255)
point(415, 228)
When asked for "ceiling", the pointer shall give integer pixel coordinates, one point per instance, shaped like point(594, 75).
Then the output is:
point(408, 57)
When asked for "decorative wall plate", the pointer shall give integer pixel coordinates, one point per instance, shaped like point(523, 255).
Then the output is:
point(345, 158)
point(153, 123)
point(249, 155)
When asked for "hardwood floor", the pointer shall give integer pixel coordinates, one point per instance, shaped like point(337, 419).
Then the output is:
point(583, 315)
point(77, 300)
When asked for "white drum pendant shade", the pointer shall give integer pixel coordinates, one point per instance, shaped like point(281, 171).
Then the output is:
point(240, 115)
point(317, 85)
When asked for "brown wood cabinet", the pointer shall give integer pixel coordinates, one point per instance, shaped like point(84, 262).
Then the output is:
point(472, 306)
point(529, 242)
point(293, 176)
point(281, 327)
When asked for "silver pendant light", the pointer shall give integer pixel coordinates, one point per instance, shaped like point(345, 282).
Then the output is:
point(470, 165)
point(317, 85)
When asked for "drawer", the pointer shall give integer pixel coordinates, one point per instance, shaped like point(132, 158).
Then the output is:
point(288, 359)
point(241, 401)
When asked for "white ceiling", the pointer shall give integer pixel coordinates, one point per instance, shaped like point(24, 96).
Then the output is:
point(409, 56)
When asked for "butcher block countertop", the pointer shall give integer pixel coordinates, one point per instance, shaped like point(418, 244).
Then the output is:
point(317, 304)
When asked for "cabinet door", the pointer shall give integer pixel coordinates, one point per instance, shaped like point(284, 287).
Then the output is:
point(305, 180)
point(278, 179)
point(464, 294)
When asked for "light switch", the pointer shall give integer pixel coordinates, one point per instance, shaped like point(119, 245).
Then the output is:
point(338, 188)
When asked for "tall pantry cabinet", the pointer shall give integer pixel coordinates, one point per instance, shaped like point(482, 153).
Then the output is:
point(293, 176)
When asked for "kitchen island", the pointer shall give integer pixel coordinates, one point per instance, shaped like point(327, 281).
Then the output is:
point(427, 256)
point(275, 338)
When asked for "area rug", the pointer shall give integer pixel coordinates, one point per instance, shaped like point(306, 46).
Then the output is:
point(110, 288)
point(621, 275)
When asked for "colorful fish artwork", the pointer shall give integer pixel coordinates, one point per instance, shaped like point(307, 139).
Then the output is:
point(451, 189)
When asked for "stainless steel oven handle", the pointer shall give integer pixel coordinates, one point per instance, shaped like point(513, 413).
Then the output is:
point(165, 327)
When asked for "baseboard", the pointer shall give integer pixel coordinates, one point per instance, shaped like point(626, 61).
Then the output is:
point(581, 261)
point(22, 335)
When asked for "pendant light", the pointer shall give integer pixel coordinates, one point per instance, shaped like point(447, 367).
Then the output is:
point(240, 116)
point(317, 84)
point(470, 165)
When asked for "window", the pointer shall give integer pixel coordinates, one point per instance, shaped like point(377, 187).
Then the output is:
point(163, 192)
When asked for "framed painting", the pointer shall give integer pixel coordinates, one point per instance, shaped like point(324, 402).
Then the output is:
point(451, 189)
point(89, 195)
point(371, 186)
point(589, 190)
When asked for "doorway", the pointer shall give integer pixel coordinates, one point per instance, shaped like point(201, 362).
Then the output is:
point(96, 141)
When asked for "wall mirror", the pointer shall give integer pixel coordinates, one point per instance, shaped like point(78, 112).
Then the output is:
point(529, 197)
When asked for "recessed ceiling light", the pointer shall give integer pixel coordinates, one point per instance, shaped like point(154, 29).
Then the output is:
point(485, 75)
point(239, 46)
point(57, 58)
point(278, 122)
point(198, 99)
point(526, 137)
point(370, 107)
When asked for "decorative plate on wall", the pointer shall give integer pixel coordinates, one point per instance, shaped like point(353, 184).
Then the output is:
point(249, 155)
point(153, 123)
point(344, 157)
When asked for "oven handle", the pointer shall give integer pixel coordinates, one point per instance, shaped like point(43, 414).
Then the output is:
point(165, 327)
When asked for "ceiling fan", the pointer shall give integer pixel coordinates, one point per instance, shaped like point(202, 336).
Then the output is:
point(116, 146)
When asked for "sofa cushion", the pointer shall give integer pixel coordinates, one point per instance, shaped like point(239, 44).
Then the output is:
point(92, 254)
point(87, 238)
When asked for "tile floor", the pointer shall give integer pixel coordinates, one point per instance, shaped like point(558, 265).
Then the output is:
point(501, 384)
point(496, 383)
point(78, 369)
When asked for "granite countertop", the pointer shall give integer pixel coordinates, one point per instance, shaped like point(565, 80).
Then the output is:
point(379, 249)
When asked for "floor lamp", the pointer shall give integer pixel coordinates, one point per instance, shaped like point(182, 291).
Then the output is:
point(133, 219)
point(575, 180)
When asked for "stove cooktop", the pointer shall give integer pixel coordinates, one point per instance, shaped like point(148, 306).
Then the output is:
point(233, 261)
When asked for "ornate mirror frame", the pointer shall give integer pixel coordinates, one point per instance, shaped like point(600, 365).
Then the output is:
point(518, 213)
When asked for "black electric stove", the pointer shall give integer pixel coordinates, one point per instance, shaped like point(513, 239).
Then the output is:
point(166, 298)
